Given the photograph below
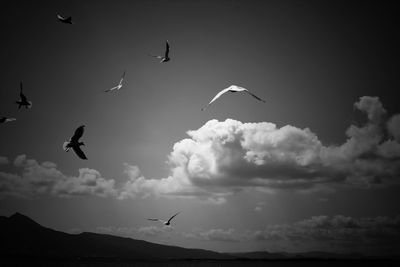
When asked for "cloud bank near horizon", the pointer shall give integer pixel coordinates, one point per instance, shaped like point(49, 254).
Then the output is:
point(222, 158)
point(342, 234)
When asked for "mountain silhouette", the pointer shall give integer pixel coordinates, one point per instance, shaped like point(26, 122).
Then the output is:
point(23, 238)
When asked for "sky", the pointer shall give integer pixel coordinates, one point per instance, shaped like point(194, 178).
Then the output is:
point(316, 167)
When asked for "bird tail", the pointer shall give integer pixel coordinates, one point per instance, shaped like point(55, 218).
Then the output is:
point(30, 104)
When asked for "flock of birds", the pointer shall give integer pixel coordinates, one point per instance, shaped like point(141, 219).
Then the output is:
point(74, 142)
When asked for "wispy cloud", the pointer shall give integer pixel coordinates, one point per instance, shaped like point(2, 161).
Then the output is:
point(36, 178)
point(376, 235)
point(220, 235)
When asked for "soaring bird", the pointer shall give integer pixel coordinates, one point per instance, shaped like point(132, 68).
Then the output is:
point(232, 89)
point(23, 101)
point(64, 20)
point(5, 119)
point(166, 57)
point(75, 144)
point(118, 86)
point(168, 222)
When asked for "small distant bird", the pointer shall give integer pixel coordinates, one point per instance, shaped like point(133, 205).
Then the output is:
point(232, 89)
point(23, 101)
point(64, 20)
point(118, 86)
point(166, 57)
point(164, 222)
point(75, 144)
point(5, 119)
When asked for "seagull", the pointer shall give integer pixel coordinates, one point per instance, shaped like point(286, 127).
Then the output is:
point(164, 58)
point(23, 101)
point(75, 144)
point(164, 222)
point(5, 119)
point(64, 20)
point(232, 89)
point(118, 86)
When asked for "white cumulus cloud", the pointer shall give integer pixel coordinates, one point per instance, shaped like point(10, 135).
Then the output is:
point(221, 158)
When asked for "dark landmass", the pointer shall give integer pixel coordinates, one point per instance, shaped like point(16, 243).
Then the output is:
point(25, 240)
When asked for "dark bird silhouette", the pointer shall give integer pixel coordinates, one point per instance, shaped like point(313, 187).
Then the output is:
point(64, 20)
point(118, 86)
point(23, 100)
point(166, 57)
point(75, 144)
point(168, 222)
point(232, 89)
point(5, 119)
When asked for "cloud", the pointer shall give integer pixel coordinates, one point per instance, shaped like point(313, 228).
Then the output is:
point(260, 206)
point(379, 235)
point(220, 235)
point(44, 178)
point(222, 158)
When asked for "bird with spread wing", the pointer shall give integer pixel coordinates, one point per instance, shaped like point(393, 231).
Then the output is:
point(64, 20)
point(168, 222)
point(75, 144)
point(166, 57)
point(119, 86)
point(232, 89)
point(23, 100)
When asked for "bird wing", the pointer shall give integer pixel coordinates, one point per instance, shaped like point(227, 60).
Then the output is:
point(173, 216)
point(111, 89)
point(217, 96)
point(253, 95)
point(166, 49)
point(78, 151)
point(60, 17)
point(154, 220)
point(21, 95)
point(159, 57)
point(122, 78)
point(10, 119)
point(78, 133)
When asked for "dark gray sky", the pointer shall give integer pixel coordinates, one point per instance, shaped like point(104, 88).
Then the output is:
point(237, 184)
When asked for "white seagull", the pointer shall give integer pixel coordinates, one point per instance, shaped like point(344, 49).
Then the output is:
point(75, 144)
point(118, 86)
point(168, 222)
point(64, 20)
point(23, 100)
point(232, 89)
point(5, 119)
point(166, 57)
